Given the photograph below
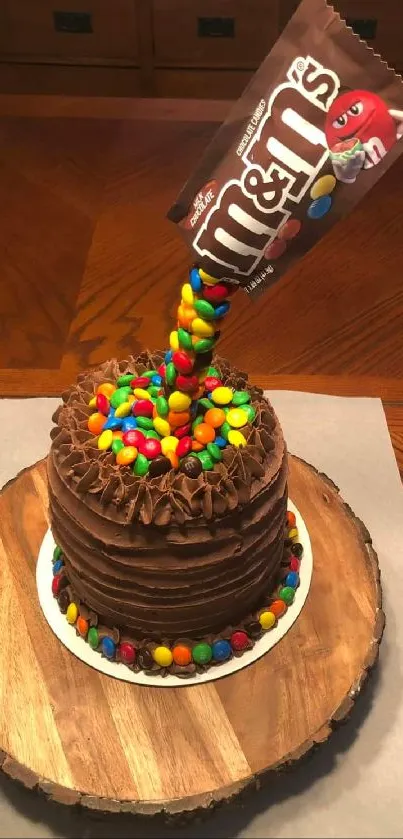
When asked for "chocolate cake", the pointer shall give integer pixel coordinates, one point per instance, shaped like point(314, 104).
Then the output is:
point(166, 559)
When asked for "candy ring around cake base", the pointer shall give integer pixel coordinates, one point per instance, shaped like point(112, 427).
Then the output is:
point(84, 738)
point(69, 635)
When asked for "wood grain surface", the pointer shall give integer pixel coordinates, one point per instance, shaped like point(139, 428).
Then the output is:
point(92, 269)
point(83, 737)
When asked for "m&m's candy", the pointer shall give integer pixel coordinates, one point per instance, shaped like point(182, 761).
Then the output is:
point(202, 653)
point(163, 656)
point(221, 650)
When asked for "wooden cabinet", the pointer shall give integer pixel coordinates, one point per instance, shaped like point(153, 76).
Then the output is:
point(190, 48)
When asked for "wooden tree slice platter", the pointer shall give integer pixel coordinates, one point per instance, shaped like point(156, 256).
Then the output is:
point(82, 737)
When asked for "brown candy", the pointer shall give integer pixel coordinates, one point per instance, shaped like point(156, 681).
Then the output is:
point(254, 629)
point(145, 659)
point(191, 466)
point(63, 601)
point(159, 466)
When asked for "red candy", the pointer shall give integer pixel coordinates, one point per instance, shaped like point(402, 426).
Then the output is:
point(143, 408)
point(182, 361)
point(212, 382)
point(275, 249)
point(294, 564)
point(127, 653)
point(161, 370)
point(102, 404)
point(184, 446)
point(186, 383)
point(150, 447)
point(57, 584)
point(239, 640)
point(134, 437)
point(216, 293)
point(141, 381)
point(182, 431)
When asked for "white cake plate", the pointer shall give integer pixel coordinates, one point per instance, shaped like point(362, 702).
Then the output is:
point(80, 648)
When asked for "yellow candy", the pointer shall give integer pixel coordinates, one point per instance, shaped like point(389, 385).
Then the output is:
point(163, 656)
point(169, 444)
point(324, 186)
point(174, 341)
point(106, 388)
point(130, 399)
point(161, 426)
point(140, 393)
point(123, 410)
point(207, 278)
point(236, 438)
point(72, 613)
point(93, 402)
point(179, 401)
point(222, 395)
point(105, 440)
point(187, 294)
point(201, 328)
point(293, 534)
point(236, 417)
point(267, 620)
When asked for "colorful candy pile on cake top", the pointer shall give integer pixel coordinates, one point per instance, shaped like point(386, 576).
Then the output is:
point(180, 416)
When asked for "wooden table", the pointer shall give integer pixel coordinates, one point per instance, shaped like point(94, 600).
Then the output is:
point(90, 267)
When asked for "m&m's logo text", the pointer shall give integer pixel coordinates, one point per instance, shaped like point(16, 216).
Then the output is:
point(278, 165)
point(200, 204)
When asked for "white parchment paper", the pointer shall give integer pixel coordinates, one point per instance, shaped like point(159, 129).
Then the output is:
point(352, 786)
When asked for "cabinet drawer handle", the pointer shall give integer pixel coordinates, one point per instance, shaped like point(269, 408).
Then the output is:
point(216, 27)
point(365, 27)
point(77, 23)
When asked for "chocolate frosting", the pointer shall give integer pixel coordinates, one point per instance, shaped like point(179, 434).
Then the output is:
point(167, 556)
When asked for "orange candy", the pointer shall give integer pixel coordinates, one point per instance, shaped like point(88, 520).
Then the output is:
point(117, 435)
point(82, 626)
point(214, 417)
point(106, 388)
point(96, 423)
point(173, 458)
point(204, 433)
point(278, 608)
point(196, 446)
point(178, 418)
point(185, 316)
point(291, 520)
point(126, 455)
point(181, 655)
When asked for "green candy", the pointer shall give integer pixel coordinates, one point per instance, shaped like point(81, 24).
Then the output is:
point(214, 451)
point(153, 434)
point(250, 412)
point(149, 373)
point(206, 403)
point(145, 423)
point(287, 594)
point(240, 397)
point(204, 345)
point(206, 460)
point(202, 653)
point(184, 338)
point(117, 445)
point(204, 309)
point(197, 422)
point(93, 637)
point(170, 374)
point(153, 390)
point(57, 553)
point(141, 465)
point(225, 429)
point(162, 406)
point(212, 371)
point(119, 396)
point(125, 380)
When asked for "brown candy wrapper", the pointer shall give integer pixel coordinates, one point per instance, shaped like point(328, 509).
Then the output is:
point(317, 126)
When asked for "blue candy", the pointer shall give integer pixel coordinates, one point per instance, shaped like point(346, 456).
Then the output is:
point(108, 647)
point(222, 310)
point(112, 424)
point(220, 442)
point(195, 280)
point(128, 424)
point(59, 564)
point(320, 207)
point(168, 356)
point(292, 579)
point(156, 380)
point(221, 650)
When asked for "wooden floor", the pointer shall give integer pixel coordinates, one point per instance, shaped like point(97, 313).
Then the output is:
point(90, 267)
